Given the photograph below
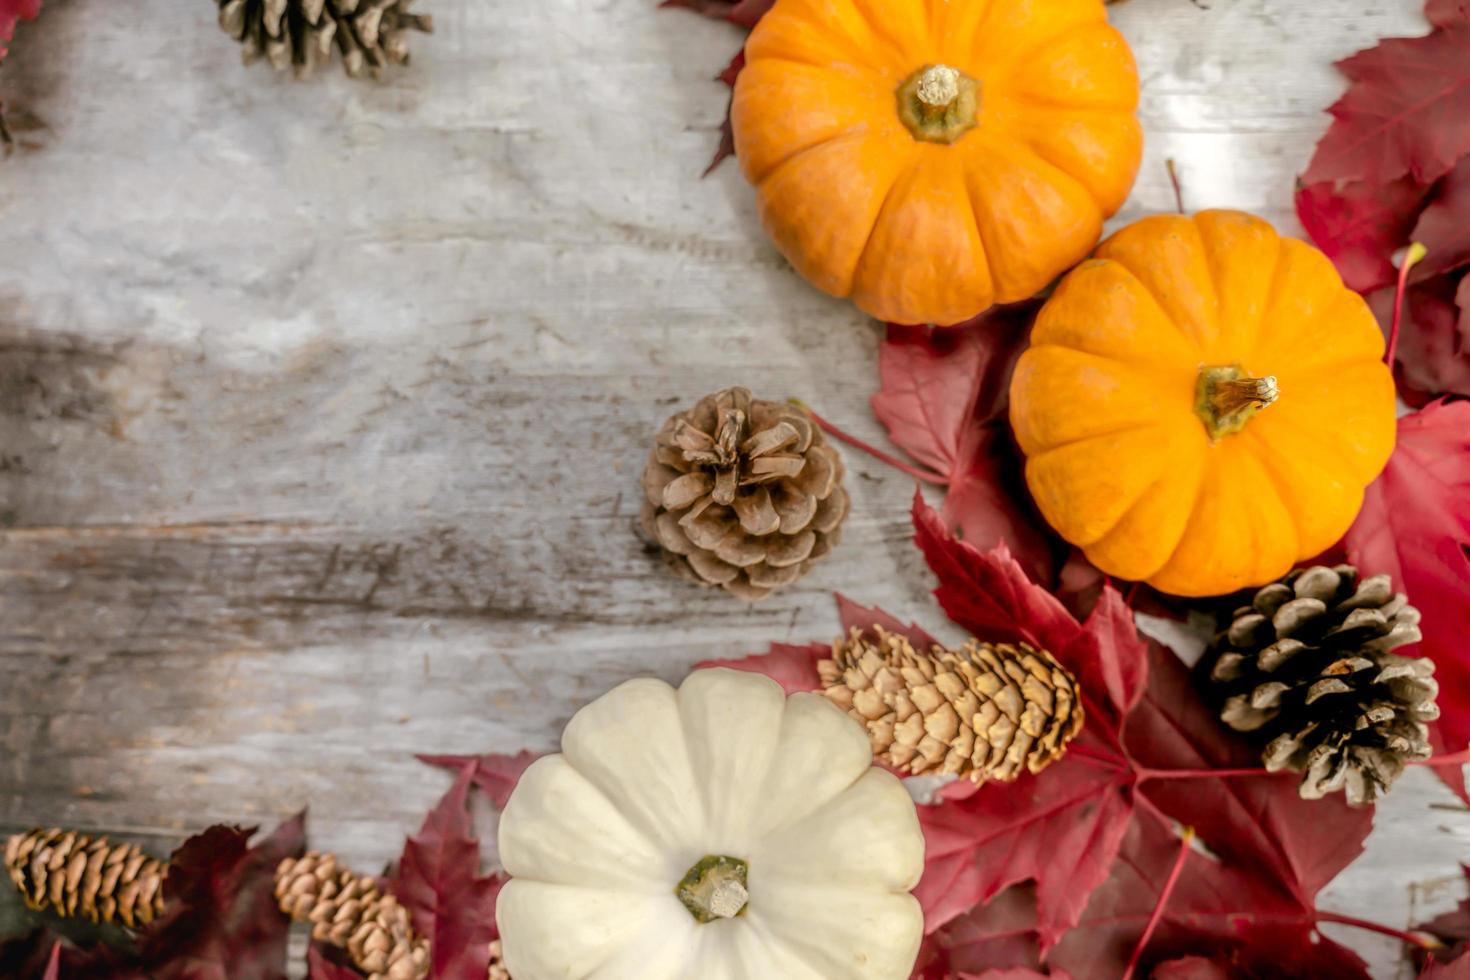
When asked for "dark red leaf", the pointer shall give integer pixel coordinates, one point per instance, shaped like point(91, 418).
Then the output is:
point(1456, 969)
point(1192, 968)
point(793, 667)
point(1415, 527)
point(12, 12)
point(1406, 112)
point(1063, 829)
point(1433, 356)
point(494, 774)
point(1360, 226)
point(742, 12)
point(864, 618)
point(319, 967)
point(944, 398)
point(221, 917)
point(438, 880)
point(1452, 928)
point(1443, 13)
point(1444, 225)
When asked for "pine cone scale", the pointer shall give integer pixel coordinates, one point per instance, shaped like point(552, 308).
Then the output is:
point(743, 493)
point(983, 711)
point(1308, 665)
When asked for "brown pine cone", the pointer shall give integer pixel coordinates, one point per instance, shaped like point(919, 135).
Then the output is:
point(497, 966)
point(984, 711)
point(301, 33)
point(1308, 668)
point(350, 912)
point(743, 493)
point(75, 874)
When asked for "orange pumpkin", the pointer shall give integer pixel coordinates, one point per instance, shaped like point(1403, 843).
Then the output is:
point(1203, 403)
point(930, 158)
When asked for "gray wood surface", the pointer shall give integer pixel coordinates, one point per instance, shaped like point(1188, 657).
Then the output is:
point(322, 405)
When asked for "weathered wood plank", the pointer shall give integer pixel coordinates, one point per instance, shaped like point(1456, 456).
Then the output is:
point(322, 405)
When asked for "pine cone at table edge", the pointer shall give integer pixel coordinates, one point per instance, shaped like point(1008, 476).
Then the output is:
point(350, 911)
point(985, 711)
point(369, 34)
point(75, 874)
point(743, 493)
point(1307, 667)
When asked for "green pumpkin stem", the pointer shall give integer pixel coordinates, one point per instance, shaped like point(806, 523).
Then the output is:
point(715, 888)
point(1226, 398)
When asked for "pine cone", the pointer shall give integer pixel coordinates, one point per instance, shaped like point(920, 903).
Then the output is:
point(349, 911)
point(743, 493)
point(302, 33)
point(1307, 666)
point(497, 965)
point(985, 711)
point(75, 874)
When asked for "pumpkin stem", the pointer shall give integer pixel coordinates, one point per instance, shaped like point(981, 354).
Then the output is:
point(938, 104)
point(1226, 398)
point(715, 888)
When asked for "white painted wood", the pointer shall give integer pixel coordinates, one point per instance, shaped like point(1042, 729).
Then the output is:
point(322, 405)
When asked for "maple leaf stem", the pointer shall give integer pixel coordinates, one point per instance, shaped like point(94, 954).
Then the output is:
point(1412, 258)
point(923, 476)
point(1419, 939)
point(1204, 773)
point(1454, 759)
point(1185, 842)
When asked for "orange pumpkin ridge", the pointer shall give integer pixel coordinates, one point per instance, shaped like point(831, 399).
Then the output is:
point(1203, 404)
point(929, 158)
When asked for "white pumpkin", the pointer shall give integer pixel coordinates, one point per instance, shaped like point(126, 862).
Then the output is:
point(722, 831)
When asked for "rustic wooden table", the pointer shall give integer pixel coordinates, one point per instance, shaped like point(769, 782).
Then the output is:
point(322, 405)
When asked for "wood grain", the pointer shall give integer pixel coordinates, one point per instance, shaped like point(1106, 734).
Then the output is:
point(322, 405)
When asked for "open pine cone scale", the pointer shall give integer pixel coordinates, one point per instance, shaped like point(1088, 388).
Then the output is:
point(301, 33)
point(743, 493)
point(1309, 666)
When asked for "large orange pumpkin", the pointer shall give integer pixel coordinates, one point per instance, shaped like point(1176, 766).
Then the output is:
point(1203, 404)
point(931, 157)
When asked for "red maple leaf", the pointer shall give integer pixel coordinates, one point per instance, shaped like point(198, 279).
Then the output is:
point(438, 880)
point(1415, 527)
point(12, 12)
point(1360, 225)
point(494, 774)
point(1452, 928)
point(221, 918)
point(1444, 13)
point(1444, 224)
point(944, 400)
point(1456, 969)
point(1433, 355)
point(320, 967)
point(1406, 112)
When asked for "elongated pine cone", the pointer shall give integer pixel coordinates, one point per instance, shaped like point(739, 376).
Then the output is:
point(1308, 668)
point(743, 493)
point(984, 711)
point(77, 875)
point(350, 912)
point(302, 33)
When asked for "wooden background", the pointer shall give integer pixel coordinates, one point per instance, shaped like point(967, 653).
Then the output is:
point(322, 405)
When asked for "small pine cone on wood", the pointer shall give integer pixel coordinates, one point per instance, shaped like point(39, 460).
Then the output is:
point(350, 912)
point(301, 34)
point(984, 711)
point(1307, 667)
point(743, 493)
point(75, 874)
